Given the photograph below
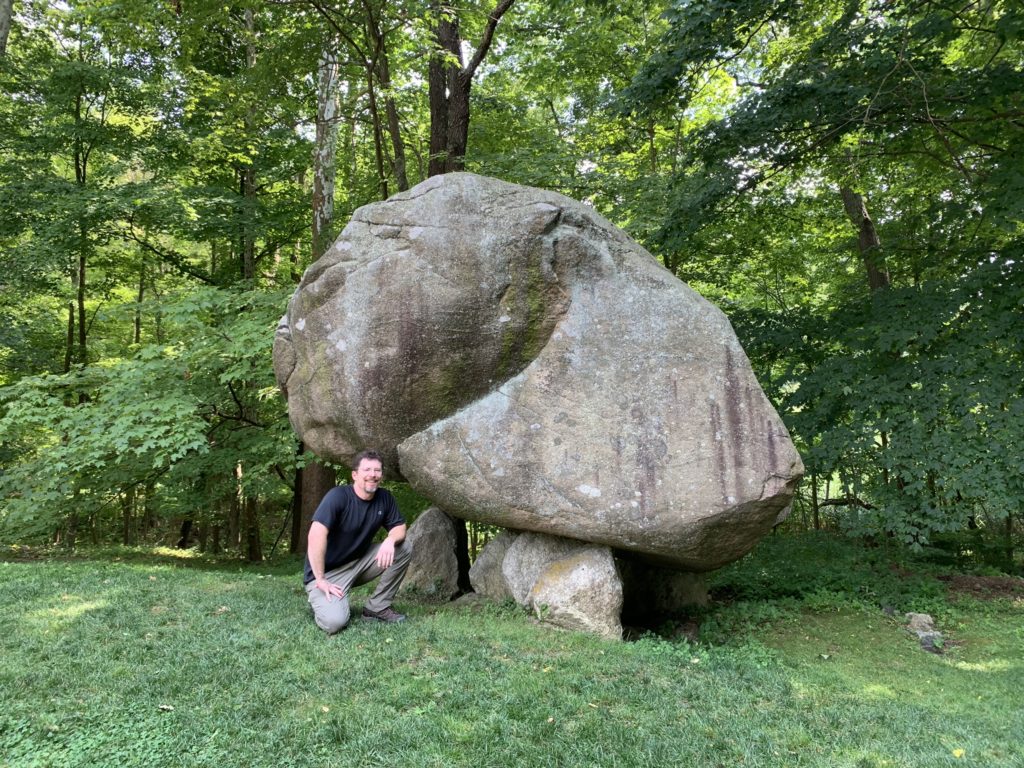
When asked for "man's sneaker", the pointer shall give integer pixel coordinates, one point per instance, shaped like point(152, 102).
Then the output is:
point(388, 615)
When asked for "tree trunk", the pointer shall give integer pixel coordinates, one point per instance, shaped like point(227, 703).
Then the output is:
point(297, 539)
point(325, 151)
point(449, 83)
point(870, 247)
point(128, 527)
point(69, 345)
point(137, 326)
point(234, 523)
point(397, 145)
point(462, 555)
point(6, 15)
point(247, 244)
point(148, 506)
point(253, 548)
point(652, 146)
point(458, 121)
point(378, 138)
point(815, 501)
point(1008, 546)
point(350, 138)
point(382, 70)
point(445, 61)
point(317, 480)
point(69, 536)
point(247, 173)
point(447, 38)
point(83, 356)
point(81, 159)
point(184, 533)
point(868, 242)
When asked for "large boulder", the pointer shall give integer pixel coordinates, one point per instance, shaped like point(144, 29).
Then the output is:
point(523, 363)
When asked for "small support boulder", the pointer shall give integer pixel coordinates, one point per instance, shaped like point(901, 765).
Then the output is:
point(433, 570)
point(581, 591)
point(485, 575)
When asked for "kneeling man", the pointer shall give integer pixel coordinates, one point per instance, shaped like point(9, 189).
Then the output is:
point(341, 553)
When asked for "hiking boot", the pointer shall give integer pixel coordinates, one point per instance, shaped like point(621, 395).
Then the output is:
point(388, 615)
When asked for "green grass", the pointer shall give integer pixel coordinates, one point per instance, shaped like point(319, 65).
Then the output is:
point(157, 661)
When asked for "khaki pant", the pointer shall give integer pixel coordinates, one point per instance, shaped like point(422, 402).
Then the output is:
point(332, 616)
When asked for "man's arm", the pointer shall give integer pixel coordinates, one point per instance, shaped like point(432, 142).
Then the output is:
point(386, 553)
point(316, 550)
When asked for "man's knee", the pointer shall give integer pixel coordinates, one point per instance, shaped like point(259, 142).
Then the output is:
point(332, 624)
point(332, 620)
point(331, 616)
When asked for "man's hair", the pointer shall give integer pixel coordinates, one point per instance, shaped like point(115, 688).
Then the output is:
point(367, 454)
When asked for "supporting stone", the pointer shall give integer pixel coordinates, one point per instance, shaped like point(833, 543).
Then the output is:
point(434, 569)
point(580, 592)
point(485, 575)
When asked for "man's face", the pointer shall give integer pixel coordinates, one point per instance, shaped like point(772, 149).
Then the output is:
point(367, 477)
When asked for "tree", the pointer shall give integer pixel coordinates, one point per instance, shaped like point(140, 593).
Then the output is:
point(368, 32)
point(450, 81)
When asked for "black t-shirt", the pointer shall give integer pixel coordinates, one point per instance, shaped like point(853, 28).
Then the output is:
point(352, 523)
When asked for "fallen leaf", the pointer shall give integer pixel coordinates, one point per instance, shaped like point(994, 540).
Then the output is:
point(958, 753)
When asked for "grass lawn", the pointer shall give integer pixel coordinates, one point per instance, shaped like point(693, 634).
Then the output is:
point(153, 661)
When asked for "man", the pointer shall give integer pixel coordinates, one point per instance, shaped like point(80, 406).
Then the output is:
point(341, 553)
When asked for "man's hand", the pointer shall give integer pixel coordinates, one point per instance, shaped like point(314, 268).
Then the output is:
point(329, 589)
point(386, 553)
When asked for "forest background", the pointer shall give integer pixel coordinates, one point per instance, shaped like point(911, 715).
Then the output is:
point(845, 179)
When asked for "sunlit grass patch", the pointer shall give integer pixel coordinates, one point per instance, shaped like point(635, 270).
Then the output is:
point(66, 609)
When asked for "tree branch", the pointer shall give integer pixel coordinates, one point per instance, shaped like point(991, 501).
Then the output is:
point(485, 43)
point(849, 501)
point(176, 260)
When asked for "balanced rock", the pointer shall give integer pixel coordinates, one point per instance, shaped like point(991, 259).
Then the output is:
point(523, 363)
